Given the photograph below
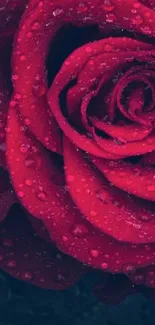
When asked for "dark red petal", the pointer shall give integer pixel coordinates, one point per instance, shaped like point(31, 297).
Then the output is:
point(29, 258)
point(7, 195)
point(87, 73)
point(10, 14)
point(40, 228)
point(125, 218)
point(76, 237)
point(29, 75)
point(4, 98)
point(114, 288)
point(135, 179)
point(143, 276)
point(125, 133)
point(129, 149)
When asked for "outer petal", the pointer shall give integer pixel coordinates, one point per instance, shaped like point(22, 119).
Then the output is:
point(7, 195)
point(30, 259)
point(65, 224)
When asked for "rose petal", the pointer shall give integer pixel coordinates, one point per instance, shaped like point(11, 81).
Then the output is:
point(7, 196)
point(4, 98)
point(30, 259)
point(136, 179)
point(40, 228)
point(143, 276)
point(10, 14)
point(126, 133)
point(112, 211)
point(129, 149)
point(65, 224)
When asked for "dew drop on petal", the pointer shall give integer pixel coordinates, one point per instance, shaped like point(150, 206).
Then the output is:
point(93, 213)
point(79, 230)
point(57, 12)
point(107, 5)
point(104, 265)
point(21, 194)
point(64, 238)
point(23, 148)
point(28, 182)
point(27, 276)
point(137, 20)
point(42, 196)
point(82, 7)
point(11, 264)
point(36, 25)
point(94, 253)
point(127, 268)
point(6, 242)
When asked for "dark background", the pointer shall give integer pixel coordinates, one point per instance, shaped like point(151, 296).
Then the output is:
point(23, 304)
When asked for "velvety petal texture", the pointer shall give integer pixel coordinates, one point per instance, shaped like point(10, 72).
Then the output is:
point(77, 143)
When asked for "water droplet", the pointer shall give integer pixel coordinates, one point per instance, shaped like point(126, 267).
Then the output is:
point(104, 266)
point(107, 5)
point(94, 252)
point(64, 238)
point(108, 47)
point(139, 278)
point(128, 268)
point(39, 89)
point(93, 213)
point(27, 121)
point(36, 25)
point(88, 49)
point(23, 148)
point(27, 276)
point(11, 264)
point(82, 7)
point(102, 196)
point(79, 230)
point(7, 242)
point(21, 194)
point(22, 57)
point(145, 218)
point(137, 20)
point(28, 182)
point(57, 12)
point(15, 76)
point(42, 196)
point(110, 18)
point(13, 103)
point(136, 5)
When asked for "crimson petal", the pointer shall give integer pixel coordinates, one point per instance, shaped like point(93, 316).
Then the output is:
point(125, 133)
point(135, 179)
point(107, 208)
point(66, 226)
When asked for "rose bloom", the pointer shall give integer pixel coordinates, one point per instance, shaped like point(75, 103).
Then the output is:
point(77, 143)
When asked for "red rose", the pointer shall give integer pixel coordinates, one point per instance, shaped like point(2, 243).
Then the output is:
point(80, 141)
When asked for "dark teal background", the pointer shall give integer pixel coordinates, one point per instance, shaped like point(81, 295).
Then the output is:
point(23, 304)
